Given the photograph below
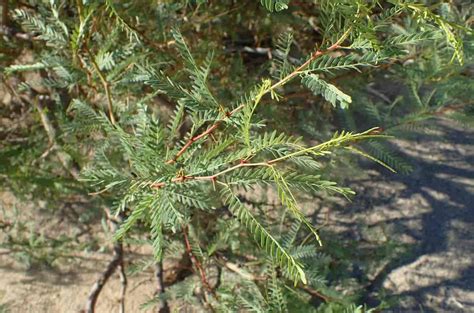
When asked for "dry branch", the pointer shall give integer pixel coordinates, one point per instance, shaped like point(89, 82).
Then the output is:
point(123, 282)
point(162, 306)
point(114, 264)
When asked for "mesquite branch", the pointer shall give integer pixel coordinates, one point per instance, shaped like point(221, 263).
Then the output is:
point(271, 88)
point(371, 133)
point(211, 177)
point(104, 277)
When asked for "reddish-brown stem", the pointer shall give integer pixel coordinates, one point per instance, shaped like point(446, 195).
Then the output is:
point(213, 178)
point(191, 141)
point(203, 134)
point(195, 261)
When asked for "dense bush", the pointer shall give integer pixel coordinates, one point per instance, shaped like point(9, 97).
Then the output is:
point(172, 117)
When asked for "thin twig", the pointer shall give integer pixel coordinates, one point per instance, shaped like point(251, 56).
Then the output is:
point(118, 250)
point(105, 84)
point(123, 282)
point(99, 284)
point(195, 261)
point(191, 141)
point(315, 293)
point(210, 177)
point(236, 269)
point(202, 273)
point(377, 93)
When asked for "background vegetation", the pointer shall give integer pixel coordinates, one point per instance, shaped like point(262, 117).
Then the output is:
point(198, 128)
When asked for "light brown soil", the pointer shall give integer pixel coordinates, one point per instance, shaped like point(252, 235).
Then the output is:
point(65, 287)
point(431, 211)
point(53, 291)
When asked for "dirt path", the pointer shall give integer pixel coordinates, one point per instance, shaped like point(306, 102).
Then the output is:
point(431, 211)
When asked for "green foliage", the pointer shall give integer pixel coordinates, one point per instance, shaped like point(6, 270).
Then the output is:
point(265, 239)
point(328, 91)
point(275, 5)
point(178, 127)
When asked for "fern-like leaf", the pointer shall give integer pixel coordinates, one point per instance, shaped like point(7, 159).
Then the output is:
point(275, 5)
point(330, 92)
point(263, 237)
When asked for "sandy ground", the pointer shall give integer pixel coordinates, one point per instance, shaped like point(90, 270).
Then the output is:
point(431, 211)
point(65, 286)
point(66, 291)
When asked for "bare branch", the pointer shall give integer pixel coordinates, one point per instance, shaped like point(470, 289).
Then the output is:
point(162, 306)
point(114, 264)
point(123, 282)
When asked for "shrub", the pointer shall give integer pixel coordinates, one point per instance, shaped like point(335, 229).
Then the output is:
point(172, 114)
